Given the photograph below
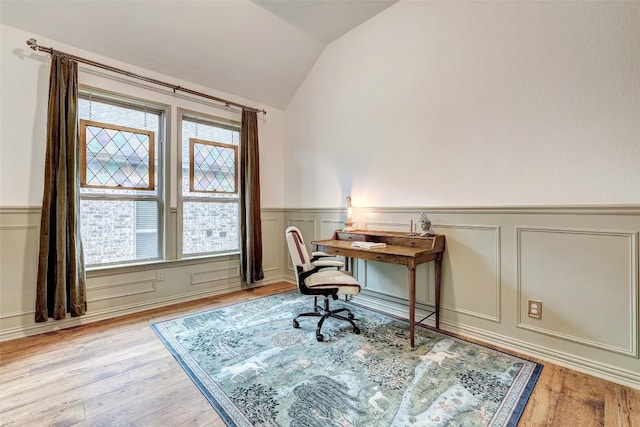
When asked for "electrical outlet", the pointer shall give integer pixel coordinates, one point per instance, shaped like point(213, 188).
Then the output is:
point(535, 309)
point(159, 275)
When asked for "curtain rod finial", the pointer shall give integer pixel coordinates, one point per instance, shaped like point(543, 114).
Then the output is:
point(32, 43)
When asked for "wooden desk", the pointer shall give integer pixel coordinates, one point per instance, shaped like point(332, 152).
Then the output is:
point(401, 249)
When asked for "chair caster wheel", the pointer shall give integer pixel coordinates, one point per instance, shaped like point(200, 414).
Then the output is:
point(357, 331)
point(296, 324)
point(320, 337)
point(351, 316)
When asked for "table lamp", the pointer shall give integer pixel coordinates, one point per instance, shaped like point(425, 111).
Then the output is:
point(348, 224)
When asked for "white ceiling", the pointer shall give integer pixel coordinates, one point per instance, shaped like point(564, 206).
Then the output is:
point(260, 50)
point(325, 20)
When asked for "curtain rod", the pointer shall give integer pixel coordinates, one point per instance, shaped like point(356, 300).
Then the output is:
point(32, 43)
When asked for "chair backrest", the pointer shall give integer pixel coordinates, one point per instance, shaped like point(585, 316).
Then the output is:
point(297, 250)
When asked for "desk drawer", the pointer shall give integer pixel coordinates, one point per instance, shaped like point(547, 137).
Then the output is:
point(388, 258)
point(369, 255)
point(349, 237)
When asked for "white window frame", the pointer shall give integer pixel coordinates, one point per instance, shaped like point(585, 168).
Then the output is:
point(95, 94)
point(204, 118)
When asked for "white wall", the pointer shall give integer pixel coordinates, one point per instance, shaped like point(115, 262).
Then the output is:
point(24, 90)
point(472, 104)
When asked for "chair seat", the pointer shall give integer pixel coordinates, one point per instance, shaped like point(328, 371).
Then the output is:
point(346, 284)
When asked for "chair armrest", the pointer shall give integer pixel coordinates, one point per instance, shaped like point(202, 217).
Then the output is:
point(328, 263)
point(316, 260)
point(317, 255)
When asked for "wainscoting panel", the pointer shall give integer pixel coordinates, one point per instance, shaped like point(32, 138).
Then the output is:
point(393, 280)
point(19, 253)
point(19, 245)
point(580, 275)
point(328, 226)
point(471, 270)
point(213, 277)
point(387, 226)
point(120, 290)
point(272, 240)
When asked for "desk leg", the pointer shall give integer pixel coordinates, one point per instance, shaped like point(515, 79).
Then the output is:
point(438, 264)
point(412, 305)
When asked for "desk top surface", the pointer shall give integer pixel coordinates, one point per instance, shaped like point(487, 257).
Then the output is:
point(398, 244)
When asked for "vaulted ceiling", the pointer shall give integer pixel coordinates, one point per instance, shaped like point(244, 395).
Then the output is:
point(260, 50)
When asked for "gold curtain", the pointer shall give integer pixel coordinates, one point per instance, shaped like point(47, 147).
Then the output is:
point(61, 274)
point(250, 221)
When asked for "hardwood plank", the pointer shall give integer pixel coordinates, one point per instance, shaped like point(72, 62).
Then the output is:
point(16, 399)
point(16, 373)
point(66, 415)
point(153, 405)
point(538, 411)
point(131, 388)
point(73, 374)
point(579, 410)
point(622, 406)
point(117, 372)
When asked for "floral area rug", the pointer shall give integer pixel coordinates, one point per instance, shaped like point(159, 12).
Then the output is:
point(257, 370)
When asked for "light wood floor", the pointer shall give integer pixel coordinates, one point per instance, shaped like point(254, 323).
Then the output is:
point(117, 372)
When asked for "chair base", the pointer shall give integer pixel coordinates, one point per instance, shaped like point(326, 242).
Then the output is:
point(324, 313)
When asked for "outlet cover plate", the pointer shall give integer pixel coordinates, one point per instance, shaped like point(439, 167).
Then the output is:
point(534, 309)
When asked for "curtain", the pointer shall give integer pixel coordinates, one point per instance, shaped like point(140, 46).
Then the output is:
point(250, 221)
point(61, 275)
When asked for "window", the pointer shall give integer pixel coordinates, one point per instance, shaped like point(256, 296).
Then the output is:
point(212, 167)
point(121, 190)
point(209, 190)
point(116, 157)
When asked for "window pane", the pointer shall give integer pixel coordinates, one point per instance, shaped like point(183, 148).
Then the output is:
point(96, 109)
point(116, 156)
point(118, 230)
point(209, 227)
point(205, 131)
point(214, 167)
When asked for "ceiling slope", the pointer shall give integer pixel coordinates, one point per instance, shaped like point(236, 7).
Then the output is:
point(261, 51)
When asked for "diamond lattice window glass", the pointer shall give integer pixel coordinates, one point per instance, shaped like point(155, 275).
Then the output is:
point(116, 157)
point(212, 167)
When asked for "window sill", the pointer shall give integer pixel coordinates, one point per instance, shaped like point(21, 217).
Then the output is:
point(159, 264)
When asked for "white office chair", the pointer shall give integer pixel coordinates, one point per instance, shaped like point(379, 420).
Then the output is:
point(327, 283)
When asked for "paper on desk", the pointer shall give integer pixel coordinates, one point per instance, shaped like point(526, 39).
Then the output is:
point(368, 245)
